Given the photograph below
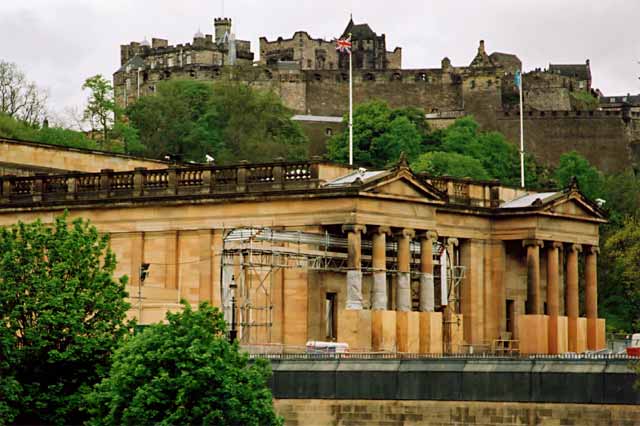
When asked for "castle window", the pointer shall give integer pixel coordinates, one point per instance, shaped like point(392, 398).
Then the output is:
point(345, 77)
point(328, 131)
point(188, 59)
point(421, 77)
point(473, 84)
point(317, 77)
point(309, 63)
point(396, 76)
point(369, 77)
point(192, 74)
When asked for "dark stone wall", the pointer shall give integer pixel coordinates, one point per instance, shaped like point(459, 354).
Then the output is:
point(539, 381)
point(604, 140)
point(327, 93)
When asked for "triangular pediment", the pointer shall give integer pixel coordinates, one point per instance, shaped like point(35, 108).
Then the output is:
point(403, 184)
point(574, 204)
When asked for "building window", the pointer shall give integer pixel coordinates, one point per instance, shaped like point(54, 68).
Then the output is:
point(188, 59)
point(473, 84)
point(330, 308)
point(510, 315)
point(169, 62)
point(328, 132)
point(309, 63)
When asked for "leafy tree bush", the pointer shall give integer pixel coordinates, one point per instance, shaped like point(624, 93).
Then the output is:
point(380, 134)
point(62, 315)
point(229, 121)
point(184, 372)
point(440, 163)
point(622, 294)
point(589, 178)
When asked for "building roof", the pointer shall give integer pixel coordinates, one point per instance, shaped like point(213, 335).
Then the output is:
point(317, 118)
point(622, 99)
point(354, 176)
point(359, 31)
point(528, 200)
point(581, 71)
point(133, 63)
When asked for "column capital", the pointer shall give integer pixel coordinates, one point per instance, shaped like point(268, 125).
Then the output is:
point(407, 233)
point(380, 230)
point(428, 235)
point(555, 245)
point(354, 228)
point(529, 243)
point(453, 242)
point(575, 247)
point(593, 250)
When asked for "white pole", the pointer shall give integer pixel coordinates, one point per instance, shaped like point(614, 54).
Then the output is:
point(521, 134)
point(350, 106)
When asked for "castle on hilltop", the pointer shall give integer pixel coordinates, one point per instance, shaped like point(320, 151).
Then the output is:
point(562, 109)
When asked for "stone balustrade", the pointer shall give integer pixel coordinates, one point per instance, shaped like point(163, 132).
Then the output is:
point(141, 182)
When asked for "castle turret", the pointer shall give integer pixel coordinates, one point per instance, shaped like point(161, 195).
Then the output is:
point(222, 27)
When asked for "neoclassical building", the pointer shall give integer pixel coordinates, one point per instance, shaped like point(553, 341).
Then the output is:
point(383, 260)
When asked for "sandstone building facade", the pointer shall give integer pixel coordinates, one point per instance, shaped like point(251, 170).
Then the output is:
point(383, 260)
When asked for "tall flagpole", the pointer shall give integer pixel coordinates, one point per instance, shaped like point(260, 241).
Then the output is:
point(522, 183)
point(350, 105)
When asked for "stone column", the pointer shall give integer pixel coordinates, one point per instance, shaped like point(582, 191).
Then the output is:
point(427, 290)
point(403, 288)
point(379, 296)
point(591, 296)
point(354, 263)
point(534, 299)
point(571, 297)
point(553, 294)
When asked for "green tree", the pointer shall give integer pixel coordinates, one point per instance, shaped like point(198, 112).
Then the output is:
point(62, 316)
point(498, 157)
point(230, 121)
point(379, 135)
point(101, 107)
point(184, 372)
point(438, 163)
point(622, 251)
point(589, 178)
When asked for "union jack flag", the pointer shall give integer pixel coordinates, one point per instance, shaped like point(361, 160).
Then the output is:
point(344, 45)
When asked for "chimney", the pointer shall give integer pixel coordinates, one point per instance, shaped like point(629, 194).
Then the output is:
point(481, 50)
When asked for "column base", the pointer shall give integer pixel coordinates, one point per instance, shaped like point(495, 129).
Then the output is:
point(408, 332)
point(534, 334)
point(430, 332)
point(383, 331)
point(355, 329)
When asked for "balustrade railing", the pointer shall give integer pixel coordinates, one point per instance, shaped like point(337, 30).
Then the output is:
point(169, 182)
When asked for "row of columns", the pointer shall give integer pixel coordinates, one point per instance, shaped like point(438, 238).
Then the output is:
point(379, 299)
point(572, 298)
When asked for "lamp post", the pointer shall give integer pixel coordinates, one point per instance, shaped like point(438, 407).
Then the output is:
point(233, 333)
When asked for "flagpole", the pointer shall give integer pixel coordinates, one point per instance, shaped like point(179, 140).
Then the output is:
point(522, 183)
point(350, 106)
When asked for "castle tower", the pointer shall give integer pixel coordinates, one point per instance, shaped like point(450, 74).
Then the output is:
point(222, 27)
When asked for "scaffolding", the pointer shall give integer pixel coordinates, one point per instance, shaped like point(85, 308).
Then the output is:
point(254, 258)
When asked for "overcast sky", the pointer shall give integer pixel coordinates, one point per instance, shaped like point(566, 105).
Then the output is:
point(59, 43)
